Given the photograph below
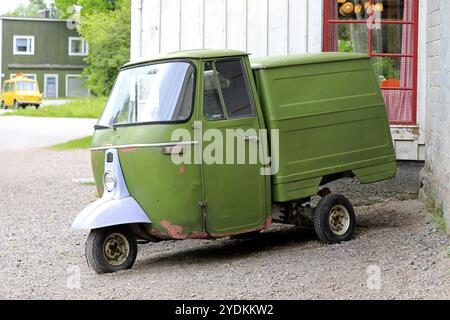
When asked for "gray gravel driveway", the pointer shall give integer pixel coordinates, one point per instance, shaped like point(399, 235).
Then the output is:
point(397, 253)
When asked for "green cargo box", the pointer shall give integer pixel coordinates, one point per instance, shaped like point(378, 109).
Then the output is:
point(331, 118)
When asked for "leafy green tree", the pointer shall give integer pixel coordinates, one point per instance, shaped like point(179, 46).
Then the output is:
point(89, 6)
point(105, 25)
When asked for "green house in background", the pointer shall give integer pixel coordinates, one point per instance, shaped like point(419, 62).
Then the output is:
point(48, 50)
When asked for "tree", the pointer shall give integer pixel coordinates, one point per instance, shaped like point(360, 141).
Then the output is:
point(29, 10)
point(89, 6)
point(105, 25)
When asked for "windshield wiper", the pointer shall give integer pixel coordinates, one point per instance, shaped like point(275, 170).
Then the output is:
point(101, 126)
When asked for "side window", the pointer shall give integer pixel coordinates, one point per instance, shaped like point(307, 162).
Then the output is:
point(227, 92)
point(212, 105)
point(6, 89)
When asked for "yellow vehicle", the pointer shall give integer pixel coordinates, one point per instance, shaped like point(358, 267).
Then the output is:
point(20, 92)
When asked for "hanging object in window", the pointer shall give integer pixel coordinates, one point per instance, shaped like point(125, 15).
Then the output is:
point(359, 7)
point(346, 9)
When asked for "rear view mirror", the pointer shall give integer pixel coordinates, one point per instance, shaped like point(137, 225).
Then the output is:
point(210, 81)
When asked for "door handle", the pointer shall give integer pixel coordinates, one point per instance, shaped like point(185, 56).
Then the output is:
point(168, 151)
point(252, 138)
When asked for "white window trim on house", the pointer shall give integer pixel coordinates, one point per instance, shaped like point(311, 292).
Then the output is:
point(57, 84)
point(85, 47)
point(29, 52)
point(27, 75)
point(75, 76)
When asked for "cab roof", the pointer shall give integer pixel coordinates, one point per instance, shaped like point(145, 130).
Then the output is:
point(302, 59)
point(258, 63)
point(190, 54)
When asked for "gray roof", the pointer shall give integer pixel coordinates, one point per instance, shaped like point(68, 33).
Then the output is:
point(31, 19)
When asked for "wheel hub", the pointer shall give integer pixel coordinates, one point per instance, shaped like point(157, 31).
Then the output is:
point(116, 249)
point(339, 220)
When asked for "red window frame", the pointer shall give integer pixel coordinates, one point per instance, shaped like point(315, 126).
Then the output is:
point(413, 55)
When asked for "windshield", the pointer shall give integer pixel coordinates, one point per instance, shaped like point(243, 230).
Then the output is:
point(156, 93)
point(26, 86)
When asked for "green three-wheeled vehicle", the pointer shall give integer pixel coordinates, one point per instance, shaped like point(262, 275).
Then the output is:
point(174, 154)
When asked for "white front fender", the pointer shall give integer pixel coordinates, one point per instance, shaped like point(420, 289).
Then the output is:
point(108, 212)
point(116, 207)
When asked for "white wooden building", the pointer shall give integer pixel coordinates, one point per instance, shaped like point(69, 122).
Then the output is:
point(280, 27)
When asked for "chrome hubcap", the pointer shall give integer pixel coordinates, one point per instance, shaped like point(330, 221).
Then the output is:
point(116, 249)
point(339, 220)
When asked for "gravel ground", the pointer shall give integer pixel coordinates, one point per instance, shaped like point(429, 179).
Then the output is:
point(41, 258)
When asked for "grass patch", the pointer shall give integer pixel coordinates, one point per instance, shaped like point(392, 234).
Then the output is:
point(91, 184)
point(83, 143)
point(91, 107)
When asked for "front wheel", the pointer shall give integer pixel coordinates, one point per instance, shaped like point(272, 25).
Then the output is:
point(111, 249)
point(334, 219)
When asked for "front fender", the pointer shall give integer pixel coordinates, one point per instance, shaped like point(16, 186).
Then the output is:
point(107, 212)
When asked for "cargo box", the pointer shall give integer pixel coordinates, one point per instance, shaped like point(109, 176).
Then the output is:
point(331, 118)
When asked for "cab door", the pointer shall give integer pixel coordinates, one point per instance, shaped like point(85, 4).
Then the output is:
point(233, 189)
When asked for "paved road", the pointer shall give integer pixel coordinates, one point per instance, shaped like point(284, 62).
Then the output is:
point(18, 133)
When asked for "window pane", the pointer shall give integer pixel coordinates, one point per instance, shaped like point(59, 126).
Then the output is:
point(212, 107)
point(393, 38)
point(362, 10)
point(351, 38)
point(236, 91)
point(156, 93)
point(398, 104)
point(26, 86)
point(394, 72)
point(348, 10)
point(398, 10)
point(77, 46)
point(22, 45)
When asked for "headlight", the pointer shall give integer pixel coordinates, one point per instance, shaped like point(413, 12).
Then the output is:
point(109, 181)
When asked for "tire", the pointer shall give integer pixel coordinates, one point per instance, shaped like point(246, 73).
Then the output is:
point(37, 106)
point(334, 219)
point(101, 253)
point(16, 105)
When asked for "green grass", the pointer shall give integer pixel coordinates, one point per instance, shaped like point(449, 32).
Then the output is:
point(80, 108)
point(83, 143)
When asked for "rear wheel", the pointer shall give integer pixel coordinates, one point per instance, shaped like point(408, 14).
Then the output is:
point(334, 219)
point(111, 249)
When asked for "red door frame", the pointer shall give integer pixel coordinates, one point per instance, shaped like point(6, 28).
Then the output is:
point(415, 23)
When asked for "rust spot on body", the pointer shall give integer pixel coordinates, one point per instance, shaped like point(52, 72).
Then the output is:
point(176, 232)
point(268, 221)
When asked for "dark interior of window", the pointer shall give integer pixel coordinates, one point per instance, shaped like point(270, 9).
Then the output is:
point(234, 90)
